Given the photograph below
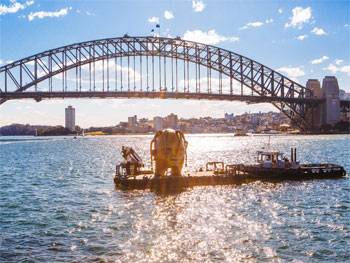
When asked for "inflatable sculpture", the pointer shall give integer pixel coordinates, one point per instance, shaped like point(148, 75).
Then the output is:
point(168, 151)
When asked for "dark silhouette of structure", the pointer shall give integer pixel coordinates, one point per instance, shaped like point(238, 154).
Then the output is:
point(154, 67)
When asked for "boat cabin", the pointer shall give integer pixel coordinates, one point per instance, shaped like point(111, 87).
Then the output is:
point(271, 159)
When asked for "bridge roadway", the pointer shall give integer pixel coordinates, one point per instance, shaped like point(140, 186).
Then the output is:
point(38, 96)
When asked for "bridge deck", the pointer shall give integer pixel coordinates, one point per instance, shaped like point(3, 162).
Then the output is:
point(152, 95)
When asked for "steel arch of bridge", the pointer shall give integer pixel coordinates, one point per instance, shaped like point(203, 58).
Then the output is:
point(269, 86)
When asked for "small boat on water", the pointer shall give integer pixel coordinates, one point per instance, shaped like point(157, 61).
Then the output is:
point(240, 132)
point(270, 166)
point(274, 165)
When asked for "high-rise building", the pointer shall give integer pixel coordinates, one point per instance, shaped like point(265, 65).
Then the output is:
point(171, 121)
point(157, 123)
point(229, 117)
point(132, 121)
point(331, 110)
point(70, 118)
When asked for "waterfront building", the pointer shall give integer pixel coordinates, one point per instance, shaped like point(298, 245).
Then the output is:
point(132, 121)
point(70, 118)
point(345, 115)
point(157, 123)
point(229, 117)
point(343, 95)
point(171, 121)
point(123, 124)
point(331, 109)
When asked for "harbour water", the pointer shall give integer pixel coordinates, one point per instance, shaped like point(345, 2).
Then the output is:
point(58, 204)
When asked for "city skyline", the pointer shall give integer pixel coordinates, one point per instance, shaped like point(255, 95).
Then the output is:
point(262, 122)
point(307, 30)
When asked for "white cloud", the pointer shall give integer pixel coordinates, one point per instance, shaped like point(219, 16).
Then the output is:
point(299, 17)
point(198, 6)
point(112, 66)
point(347, 25)
point(90, 13)
point(280, 10)
point(319, 60)
point(318, 31)
point(153, 20)
point(210, 37)
point(338, 61)
point(14, 7)
point(301, 37)
point(99, 68)
point(168, 14)
point(256, 24)
point(292, 72)
point(44, 14)
point(5, 62)
point(335, 69)
point(252, 24)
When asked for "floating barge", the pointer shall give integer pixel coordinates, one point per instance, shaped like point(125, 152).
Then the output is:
point(205, 178)
point(271, 166)
point(233, 174)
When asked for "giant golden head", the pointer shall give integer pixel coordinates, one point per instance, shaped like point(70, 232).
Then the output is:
point(168, 150)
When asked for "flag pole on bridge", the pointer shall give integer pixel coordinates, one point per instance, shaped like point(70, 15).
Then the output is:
point(153, 30)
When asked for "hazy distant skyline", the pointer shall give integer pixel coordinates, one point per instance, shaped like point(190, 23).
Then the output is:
point(302, 39)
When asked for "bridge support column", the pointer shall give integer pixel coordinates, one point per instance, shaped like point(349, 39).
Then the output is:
point(314, 112)
point(331, 112)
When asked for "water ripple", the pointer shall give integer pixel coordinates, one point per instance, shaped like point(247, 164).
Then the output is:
point(58, 203)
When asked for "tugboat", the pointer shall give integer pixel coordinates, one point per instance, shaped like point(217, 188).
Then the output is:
point(274, 165)
point(168, 155)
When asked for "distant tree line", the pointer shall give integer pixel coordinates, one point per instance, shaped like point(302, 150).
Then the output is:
point(42, 130)
point(39, 130)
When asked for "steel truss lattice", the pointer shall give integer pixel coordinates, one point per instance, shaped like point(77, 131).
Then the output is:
point(266, 85)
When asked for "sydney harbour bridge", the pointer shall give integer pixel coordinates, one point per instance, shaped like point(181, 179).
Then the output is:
point(153, 67)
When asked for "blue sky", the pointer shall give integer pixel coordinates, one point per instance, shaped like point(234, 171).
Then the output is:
point(302, 39)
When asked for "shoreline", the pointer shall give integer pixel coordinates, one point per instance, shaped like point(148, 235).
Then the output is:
point(213, 133)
